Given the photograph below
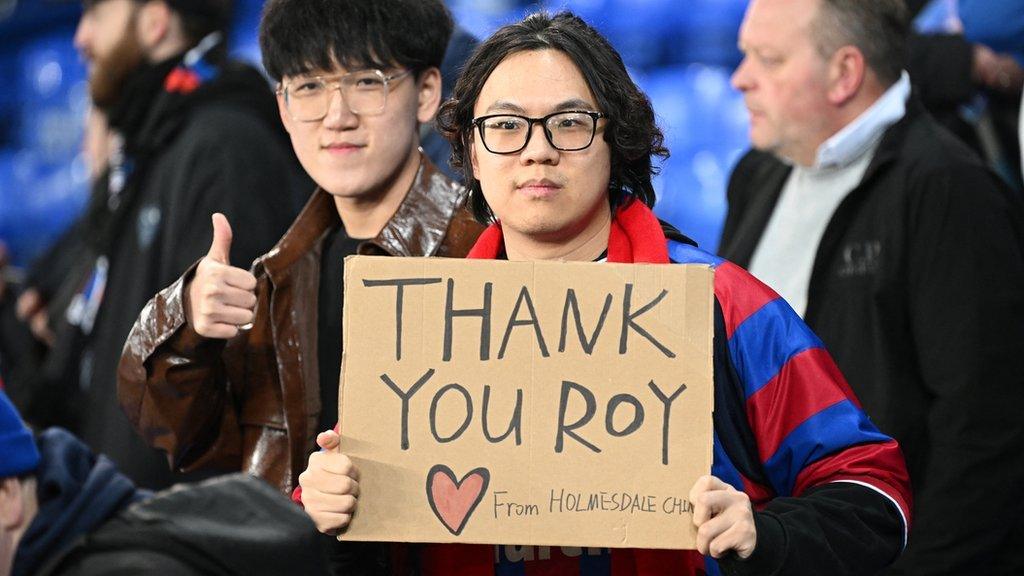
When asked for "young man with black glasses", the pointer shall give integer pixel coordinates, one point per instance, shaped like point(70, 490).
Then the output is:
point(802, 482)
point(238, 369)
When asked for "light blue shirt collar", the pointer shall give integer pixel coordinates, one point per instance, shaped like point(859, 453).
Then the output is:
point(866, 130)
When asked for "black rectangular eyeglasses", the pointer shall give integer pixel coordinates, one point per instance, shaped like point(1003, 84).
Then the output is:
point(567, 131)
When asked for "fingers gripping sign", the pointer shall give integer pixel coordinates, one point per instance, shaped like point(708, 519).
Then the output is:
point(724, 519)
point(330, 485)
point(221, 298)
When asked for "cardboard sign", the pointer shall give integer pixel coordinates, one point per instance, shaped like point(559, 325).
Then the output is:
point(540, 403)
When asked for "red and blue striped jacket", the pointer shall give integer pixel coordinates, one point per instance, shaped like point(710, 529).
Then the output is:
point(830, 491)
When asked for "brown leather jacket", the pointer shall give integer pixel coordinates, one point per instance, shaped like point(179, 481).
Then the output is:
point(244, 404)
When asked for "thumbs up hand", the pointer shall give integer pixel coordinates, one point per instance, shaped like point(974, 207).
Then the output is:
point(221, 298)
point(330, 485)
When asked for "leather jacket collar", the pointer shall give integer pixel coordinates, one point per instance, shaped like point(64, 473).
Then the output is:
point(417, 228)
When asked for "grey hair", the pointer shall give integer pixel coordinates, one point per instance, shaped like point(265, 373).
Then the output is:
point(878, 28)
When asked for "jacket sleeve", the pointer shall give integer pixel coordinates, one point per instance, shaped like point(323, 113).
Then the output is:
point(835, 497)
point(172, 385)
point(966, 297)
point(737, 196)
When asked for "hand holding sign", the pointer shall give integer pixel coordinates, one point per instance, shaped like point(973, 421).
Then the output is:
point(221, 298)
point(724, 519)
point(330, 485)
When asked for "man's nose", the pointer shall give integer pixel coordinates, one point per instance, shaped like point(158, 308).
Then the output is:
point(83, 34)
point(740, 79)
point(538, 149)
point(339, 115)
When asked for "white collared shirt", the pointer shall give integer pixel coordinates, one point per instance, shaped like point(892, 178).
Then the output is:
point(866, 130)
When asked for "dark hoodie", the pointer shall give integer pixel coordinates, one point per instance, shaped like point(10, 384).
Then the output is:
point(77, 493)
point(93, 520)
point(233, 526)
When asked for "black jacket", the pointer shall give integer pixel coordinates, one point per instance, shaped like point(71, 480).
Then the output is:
point(93, 520)
point(234, 526)
point(917, 290)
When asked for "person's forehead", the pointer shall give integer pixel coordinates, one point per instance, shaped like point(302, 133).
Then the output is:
point(535, 81)
point(777, 22)
point(336, 69)
point(90, 6)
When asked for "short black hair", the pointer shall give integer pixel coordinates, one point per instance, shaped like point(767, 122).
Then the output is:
point(878, 28)
point(299, 36)
point(631, 131)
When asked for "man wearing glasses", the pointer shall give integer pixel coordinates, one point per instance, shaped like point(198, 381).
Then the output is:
point(238, 369)
point(557, 143)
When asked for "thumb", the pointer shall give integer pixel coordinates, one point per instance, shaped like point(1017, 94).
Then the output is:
point(220, 248)
point(328, 440)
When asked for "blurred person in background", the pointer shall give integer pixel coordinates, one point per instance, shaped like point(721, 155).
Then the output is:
point(65, 511)
point(32, 307)
point(195, 133)
point(966, 61)
point(903, 251)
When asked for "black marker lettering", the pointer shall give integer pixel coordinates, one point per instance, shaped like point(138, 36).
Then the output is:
point(628, 322)
point(405, 396)
point(400, 284)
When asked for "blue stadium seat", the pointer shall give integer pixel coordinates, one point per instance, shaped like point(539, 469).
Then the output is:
point(706, 32)
point(243, 40)
point(54, 98)
point(483, 17)
point(705, 128)
point(37, 202)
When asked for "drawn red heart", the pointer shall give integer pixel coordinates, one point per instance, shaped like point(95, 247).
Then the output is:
point(453, 502)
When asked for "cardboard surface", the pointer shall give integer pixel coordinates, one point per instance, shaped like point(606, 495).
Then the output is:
point(482, 404)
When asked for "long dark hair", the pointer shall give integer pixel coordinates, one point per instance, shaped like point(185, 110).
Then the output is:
point(631, 132)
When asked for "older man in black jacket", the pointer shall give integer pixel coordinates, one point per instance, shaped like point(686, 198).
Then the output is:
point(902, 251)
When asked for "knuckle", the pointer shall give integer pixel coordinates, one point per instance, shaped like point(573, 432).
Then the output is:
point(344, 465)
point(703, 532)
point(206, 309)
point(346, 485)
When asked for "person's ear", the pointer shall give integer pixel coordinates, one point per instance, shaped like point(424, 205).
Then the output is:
point(846, 71)
point(153, 24)
point(471, 147)
point(428, 89)
point(12, 504)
